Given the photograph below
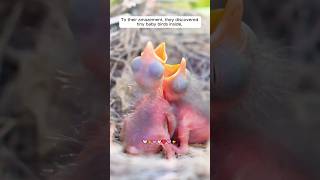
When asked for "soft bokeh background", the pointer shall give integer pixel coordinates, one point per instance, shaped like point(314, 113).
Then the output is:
point(295, 25)
point(48, 94)
point(284, 105)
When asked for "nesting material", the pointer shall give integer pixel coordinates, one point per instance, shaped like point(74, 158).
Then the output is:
point(125, 44)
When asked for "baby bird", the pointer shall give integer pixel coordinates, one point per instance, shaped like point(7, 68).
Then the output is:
point(193, 120)
point(152, 123)
point(191, 111)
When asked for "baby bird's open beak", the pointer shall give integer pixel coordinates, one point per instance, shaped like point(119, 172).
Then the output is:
point(175, 69)
point(160, 51)
point(148, 69)
point(172, 70)
point(176, 81)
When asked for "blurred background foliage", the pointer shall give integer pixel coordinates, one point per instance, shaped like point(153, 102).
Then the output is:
point(201, 6)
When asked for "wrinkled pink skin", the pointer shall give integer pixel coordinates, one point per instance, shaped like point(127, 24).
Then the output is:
point(151, 120)
point(193, 126)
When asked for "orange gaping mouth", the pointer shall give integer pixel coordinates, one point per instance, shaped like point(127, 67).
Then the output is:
point(173, 76)
point(170, 69)
point(175, 82)
point(173, 70)
point(159, 52)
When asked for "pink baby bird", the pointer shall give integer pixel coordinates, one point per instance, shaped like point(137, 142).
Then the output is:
point(150, 127)
point(191, 111)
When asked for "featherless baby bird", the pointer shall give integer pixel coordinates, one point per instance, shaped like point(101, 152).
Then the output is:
point(173, 82)
point(152, 123)
point(191, 109)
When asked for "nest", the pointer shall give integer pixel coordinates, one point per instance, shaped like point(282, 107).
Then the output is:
point(125, 44)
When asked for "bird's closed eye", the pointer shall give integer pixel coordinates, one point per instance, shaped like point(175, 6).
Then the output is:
point(180, 84)
point(136, 64)
point(156, 70)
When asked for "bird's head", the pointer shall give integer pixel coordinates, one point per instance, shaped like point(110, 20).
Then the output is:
point(148, 69)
